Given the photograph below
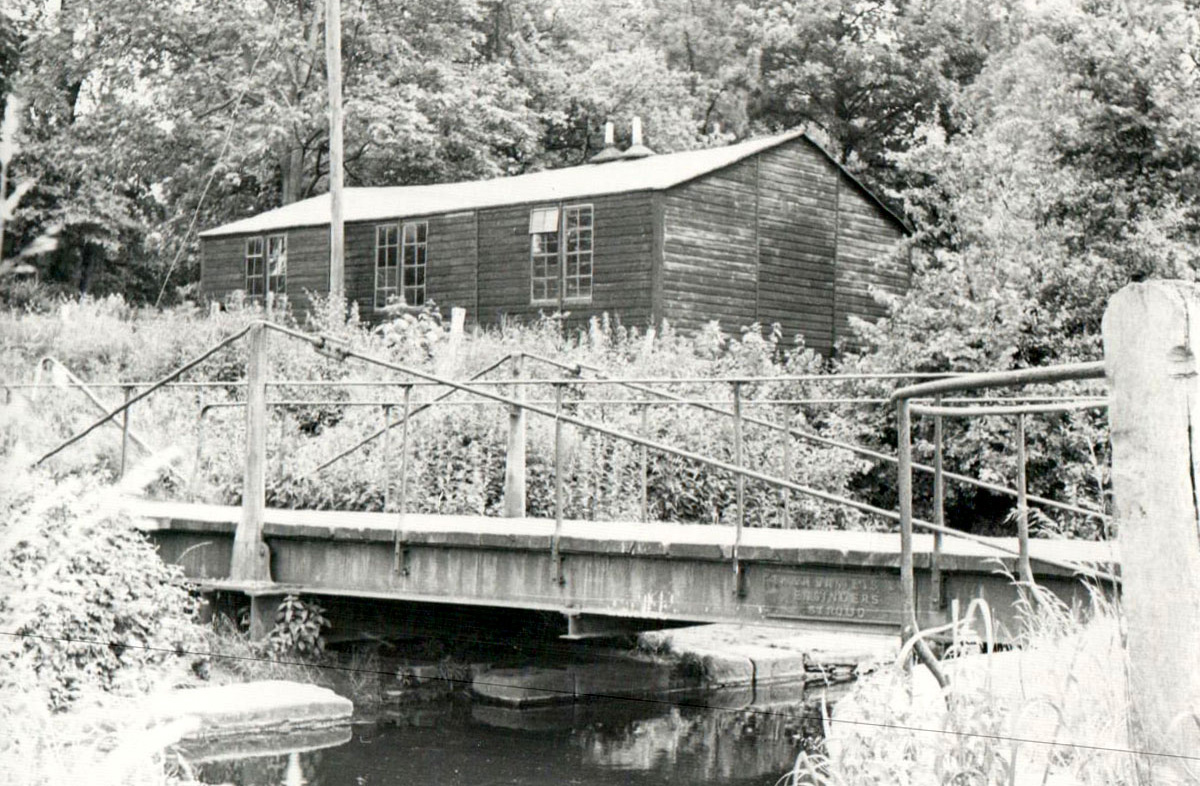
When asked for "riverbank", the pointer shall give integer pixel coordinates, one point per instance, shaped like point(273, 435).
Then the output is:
point(1053, 713)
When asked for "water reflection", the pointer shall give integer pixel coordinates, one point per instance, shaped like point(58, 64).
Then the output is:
point(701, 741)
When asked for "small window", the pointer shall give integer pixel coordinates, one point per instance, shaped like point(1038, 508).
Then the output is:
point(414, 262)
point(277, 265)
point(560, 252)
point(255, 280)
point(577, 272)
point(542, 220)
point(387, 263)
point(400, 262)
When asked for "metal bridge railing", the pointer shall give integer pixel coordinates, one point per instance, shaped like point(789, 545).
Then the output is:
point(905, 408)
point(909, 400)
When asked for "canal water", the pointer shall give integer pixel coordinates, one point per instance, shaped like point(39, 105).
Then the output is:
point(719, 738)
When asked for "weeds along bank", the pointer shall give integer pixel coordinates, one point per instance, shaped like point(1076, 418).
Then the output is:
point(1053, 711)
point(456, 450)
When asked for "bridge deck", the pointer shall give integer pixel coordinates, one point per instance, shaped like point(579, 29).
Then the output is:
point(645, 570)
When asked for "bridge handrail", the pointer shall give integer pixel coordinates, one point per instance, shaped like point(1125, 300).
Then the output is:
point(323, 343)
point(416, 411)
point(834, 443)
point(87, 391)
point(905, 408)
point(170, 377)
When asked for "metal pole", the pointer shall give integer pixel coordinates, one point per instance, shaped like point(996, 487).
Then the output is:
point(333, 70)
point(195, 484)
point(1023, 567)
point(739, 586)
point(939, 517)
point(785, 493)
point(555, 555)
point(125, 428)
point(645, 429)
point(387, 457)
point(514, 459)
point(399, 558)
point(282, 456)
point(904, 486)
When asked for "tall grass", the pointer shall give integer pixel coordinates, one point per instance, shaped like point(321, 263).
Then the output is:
point(1054, 710)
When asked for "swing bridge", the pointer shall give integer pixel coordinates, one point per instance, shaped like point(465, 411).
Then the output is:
point(610, 577)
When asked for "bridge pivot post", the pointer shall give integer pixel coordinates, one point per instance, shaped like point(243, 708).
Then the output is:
point(251, 560)
point(739, 579)
point(400, 551)
point(905, 492)
point(555, 553)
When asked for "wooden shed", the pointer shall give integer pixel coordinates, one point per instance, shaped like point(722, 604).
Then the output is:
point(770, 230)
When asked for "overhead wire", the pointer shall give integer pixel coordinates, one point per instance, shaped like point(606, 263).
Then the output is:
point(180, 652)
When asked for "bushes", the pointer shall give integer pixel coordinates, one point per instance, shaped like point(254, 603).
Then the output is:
point(90, 603)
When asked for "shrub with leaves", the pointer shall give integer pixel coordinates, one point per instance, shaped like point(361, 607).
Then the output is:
point(298, 629)
point(86, 597)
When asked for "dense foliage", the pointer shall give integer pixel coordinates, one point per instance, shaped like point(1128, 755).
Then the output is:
point(456, 449)
point(146, 121)
point(87, 602)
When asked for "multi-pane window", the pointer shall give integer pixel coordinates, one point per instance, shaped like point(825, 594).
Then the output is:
point(255, 280)
point(266, 266)
point(546, 273)
point(401, 252)
point(560, 253)
point(577, 270)
point(276, 264)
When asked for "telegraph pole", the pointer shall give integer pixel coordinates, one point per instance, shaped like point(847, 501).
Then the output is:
point(333, 67)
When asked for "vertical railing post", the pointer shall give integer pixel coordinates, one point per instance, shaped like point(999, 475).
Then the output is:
point(387, 457)
point(194, 486)
point(281, 456)
point(555, 553)
point(785, 494)
point(251, 560)
point(1024, 569)
point(936, 591)
point(645, 433)
point(514, 460)
point(739, 582)
point(908, 590)
point(400, 549)
point(904, 489)
point(128, 389)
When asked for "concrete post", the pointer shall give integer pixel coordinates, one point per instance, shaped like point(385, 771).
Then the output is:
point(514, 462)
point(1150, 330)
point(251, 561)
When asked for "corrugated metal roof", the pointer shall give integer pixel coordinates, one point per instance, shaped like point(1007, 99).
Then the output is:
point(376, 204)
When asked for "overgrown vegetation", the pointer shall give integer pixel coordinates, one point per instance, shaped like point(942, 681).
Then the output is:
point(1064, 686)
point(456, 449)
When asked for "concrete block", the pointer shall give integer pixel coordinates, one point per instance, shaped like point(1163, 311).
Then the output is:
point(523, 687)
point(251, 708)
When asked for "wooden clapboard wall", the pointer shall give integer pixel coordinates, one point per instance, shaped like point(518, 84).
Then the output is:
point(783, 236)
